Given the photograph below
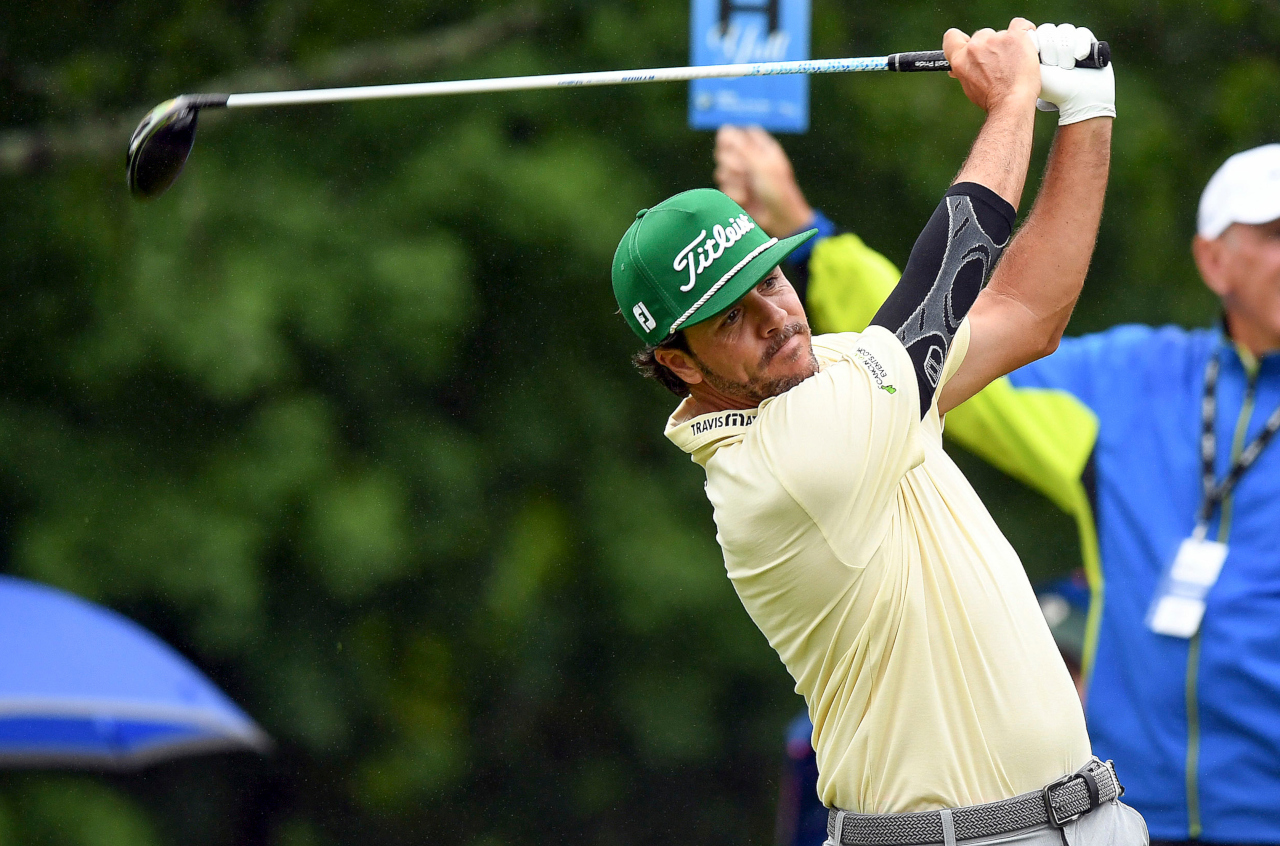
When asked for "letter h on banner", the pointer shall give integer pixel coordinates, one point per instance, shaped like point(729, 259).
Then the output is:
point(728, 7)
point(745, 31)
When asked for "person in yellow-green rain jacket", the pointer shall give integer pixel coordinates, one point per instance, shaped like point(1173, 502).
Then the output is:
point(1155, 441)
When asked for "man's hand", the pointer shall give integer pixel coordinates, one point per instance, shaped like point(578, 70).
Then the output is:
point(1000, 73)
point(1075, 93)
point(753, 170)
point(997, 70)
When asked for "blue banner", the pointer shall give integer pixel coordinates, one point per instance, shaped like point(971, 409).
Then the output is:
point(737, 31)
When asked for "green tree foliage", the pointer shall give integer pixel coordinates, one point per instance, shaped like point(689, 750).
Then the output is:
point(347, 415)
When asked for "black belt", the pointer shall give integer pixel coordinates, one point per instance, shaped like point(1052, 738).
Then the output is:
point(1057, 804)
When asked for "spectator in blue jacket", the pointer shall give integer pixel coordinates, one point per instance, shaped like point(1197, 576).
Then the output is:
point(1166, 433)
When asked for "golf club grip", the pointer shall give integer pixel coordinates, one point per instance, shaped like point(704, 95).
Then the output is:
point(934, 60)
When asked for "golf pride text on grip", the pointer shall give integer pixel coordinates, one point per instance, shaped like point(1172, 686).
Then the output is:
point(935, 60)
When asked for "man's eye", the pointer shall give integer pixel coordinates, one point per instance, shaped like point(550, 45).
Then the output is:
point(731, 317)
point(769, 282)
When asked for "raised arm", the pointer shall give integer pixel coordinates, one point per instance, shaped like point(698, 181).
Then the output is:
point(1022, 314)
point(1024, 311)
point(961, 243)
point(1000, 73)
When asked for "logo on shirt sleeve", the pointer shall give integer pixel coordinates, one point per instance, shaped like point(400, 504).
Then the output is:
point(878, 374)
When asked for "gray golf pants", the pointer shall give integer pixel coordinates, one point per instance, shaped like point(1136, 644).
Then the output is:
point(1110, 824)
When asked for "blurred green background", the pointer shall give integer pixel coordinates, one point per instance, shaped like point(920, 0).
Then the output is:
point(347, 415)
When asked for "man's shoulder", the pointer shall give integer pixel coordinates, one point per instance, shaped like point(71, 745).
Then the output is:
point(837, 343)
point(875, 350)
point(864, 391)
point(853, 345)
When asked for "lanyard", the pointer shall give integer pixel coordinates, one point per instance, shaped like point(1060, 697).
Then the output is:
point(1215, 492)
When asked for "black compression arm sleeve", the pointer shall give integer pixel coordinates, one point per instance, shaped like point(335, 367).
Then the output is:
point(949, 265)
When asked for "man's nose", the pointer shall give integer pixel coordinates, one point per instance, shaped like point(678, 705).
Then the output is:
point(770, 317)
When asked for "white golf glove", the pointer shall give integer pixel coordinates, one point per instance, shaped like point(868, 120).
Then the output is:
point(1075, 93)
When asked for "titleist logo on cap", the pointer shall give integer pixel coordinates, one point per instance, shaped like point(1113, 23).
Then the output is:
point(722, 238)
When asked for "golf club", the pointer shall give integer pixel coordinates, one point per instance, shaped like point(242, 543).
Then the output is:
point(163, 140)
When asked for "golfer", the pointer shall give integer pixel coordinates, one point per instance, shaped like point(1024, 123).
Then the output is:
point(941, 710)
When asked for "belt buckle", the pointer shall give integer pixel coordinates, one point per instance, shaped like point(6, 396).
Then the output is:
point(1111, 768)
point(1054, 819)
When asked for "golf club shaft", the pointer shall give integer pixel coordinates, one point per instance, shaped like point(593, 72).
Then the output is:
point(555, 80)
point(928, 60)
point(160, 145)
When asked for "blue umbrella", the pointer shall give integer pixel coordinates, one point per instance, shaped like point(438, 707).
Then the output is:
point(84, 686)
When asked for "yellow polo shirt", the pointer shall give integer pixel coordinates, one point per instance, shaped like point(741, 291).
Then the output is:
point(874, 570)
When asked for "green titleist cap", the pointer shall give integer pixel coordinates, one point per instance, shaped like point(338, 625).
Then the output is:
point(689, 258)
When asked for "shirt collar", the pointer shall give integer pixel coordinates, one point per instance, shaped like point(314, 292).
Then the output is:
point(703, 434)
point(1247, 358)
point(1251, 363)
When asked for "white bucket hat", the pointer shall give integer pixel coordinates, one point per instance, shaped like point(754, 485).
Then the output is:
point(1246, 189)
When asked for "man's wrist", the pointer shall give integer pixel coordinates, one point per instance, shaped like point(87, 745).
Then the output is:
point(1094, 132)
point(1091, 137)
point(1015, 102)
point(1096, 123)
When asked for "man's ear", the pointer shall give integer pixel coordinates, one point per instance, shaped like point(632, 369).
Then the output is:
point(1210, 259)
point(680, 363)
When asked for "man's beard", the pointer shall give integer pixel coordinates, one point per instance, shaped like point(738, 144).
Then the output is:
point(757, 391)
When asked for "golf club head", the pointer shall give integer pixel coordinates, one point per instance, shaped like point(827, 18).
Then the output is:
point(161, 143)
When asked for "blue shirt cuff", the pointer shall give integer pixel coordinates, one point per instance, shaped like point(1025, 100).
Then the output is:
point(825, 230)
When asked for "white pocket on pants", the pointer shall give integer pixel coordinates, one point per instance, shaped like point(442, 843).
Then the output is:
point(1111, 824)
